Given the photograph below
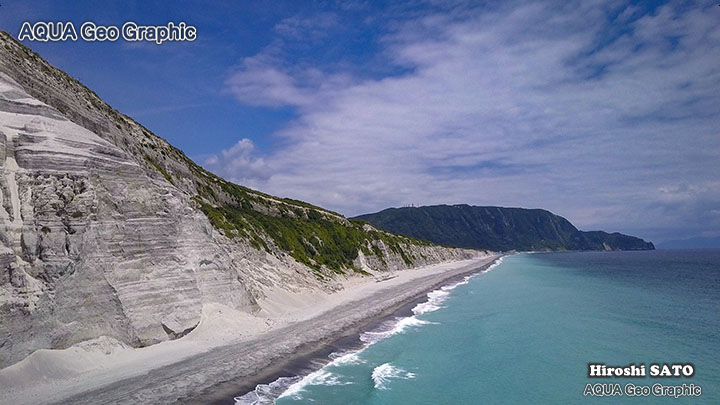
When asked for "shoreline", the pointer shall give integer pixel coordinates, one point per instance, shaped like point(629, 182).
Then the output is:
point(316, 356)
point(182, 371)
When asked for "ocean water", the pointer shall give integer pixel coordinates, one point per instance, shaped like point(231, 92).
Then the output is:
point(526, 331)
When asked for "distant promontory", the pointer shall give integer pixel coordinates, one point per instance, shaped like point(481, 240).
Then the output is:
point(498, 229)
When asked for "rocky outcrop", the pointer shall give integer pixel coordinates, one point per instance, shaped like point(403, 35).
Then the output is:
point(108, 230)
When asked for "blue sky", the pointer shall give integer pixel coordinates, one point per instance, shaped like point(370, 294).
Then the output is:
point(607, 113)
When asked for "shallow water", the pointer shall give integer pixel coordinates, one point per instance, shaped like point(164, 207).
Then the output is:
point(526, 332)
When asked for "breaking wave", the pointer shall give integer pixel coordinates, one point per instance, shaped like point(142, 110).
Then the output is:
point(288, 387)
point(390, 328)
point(265, 394)
point(320, 377)
point(494, 265)
point(436, 298)
point(382, 374)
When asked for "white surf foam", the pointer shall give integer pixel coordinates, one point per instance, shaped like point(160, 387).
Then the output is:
point(437, 297)
point(382, 374)
point(294, 386)
point(340, 359)
point(320, 377)
point(494, 265)
point(265, 394)
point(387, 329)
point(433, 303)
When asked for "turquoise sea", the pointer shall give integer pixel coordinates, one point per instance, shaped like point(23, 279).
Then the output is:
point(525, 332)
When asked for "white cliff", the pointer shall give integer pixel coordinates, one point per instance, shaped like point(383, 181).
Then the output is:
point(107, 230)
point(91, 245)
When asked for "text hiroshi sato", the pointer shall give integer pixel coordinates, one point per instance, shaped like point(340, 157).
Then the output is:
point(600, 370)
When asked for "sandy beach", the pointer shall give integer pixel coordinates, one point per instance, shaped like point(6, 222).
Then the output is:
point(229, 352)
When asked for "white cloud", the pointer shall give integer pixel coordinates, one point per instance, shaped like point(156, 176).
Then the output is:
point(521, 107)
point(238, 165)
point(262, 85)
point(260, 81)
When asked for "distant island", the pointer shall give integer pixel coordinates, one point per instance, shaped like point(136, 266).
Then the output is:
point(498, 229)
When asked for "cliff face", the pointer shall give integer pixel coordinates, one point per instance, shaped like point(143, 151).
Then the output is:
point(498, 228)
point(108, 230)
